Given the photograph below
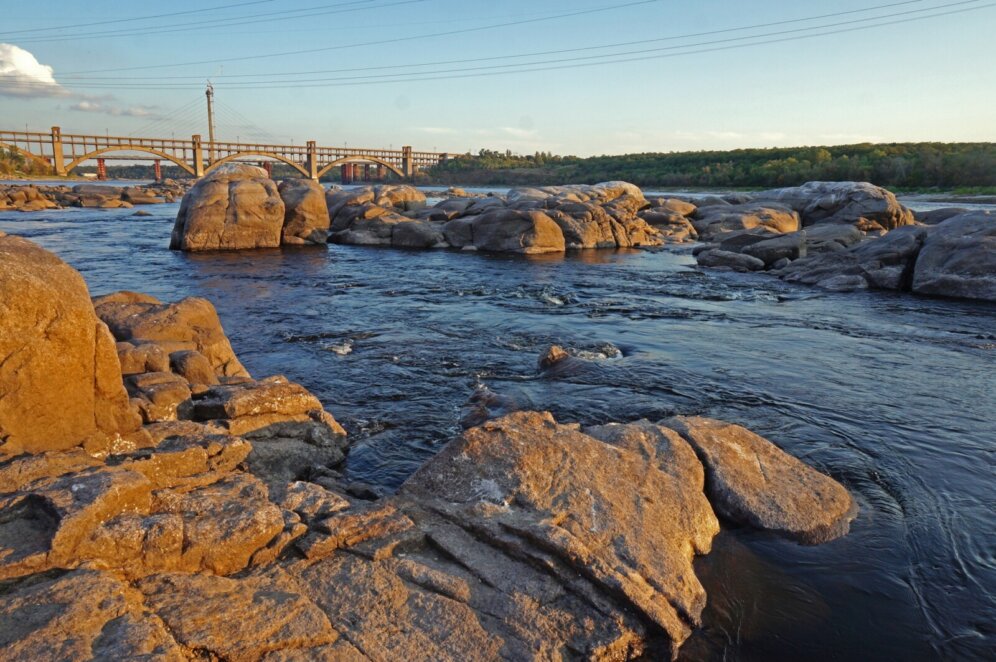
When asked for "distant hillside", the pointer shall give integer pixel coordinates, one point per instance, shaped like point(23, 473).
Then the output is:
point(948, 166)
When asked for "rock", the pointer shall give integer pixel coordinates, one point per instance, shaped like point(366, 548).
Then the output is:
point(46, 523)
point(144, 357)
point(751, 481)
point(48, 620)
point(958, 258)
point(306, 215)
point(738, 240)
point(674, 205)
point(935, 216)
point(526, 232)
point(725, 259)
point(193, 367)
point(418, 234)
point(237, 619)
point(831, 237)
point(883, 263)
point(555, 354)
point(712, 220)
point(59, 372)
point(843, 202)
point(787, 246)
point(191, 324)
point(234, 207)
point(160, 395)
point(843, 283)
point(538, 490)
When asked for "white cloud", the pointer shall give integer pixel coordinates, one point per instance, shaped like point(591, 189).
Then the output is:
point(22, 75)
point(94, 106)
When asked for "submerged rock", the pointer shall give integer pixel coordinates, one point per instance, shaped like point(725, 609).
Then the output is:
point(233, 207)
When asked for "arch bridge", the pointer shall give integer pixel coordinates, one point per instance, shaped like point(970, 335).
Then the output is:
point(64, 152)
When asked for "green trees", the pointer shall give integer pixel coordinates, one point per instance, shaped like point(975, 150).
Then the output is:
point(900, 165)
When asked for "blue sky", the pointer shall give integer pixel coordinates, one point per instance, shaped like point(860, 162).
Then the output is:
point(931, 79)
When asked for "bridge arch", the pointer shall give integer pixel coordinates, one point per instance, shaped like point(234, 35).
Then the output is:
point(232, 157)
point(353, 158)
point(129, 148)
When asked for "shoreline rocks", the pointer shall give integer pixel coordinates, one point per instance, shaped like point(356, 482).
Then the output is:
point(224, 530)
point(40, 197)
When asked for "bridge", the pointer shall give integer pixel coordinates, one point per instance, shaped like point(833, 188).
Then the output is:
point(64, 152)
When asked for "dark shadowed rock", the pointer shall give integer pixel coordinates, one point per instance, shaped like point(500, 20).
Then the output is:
point(234, 207)
point(751, 481)
point(789, 246)
point(935, 216)
point(734, 261)
point(958, 258)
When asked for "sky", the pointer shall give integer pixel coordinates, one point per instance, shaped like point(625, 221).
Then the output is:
point(580, 77)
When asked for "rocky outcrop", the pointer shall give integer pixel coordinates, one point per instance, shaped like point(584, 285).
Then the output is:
point(229, 533)
point(713, 220)
point(958, 258)
point(95, 196)
point(865, 205)
point(234, 207)
point(60, 379)
point(306, 215)
point(527, 220)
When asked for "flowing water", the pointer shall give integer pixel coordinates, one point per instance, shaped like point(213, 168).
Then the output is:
point(893, 395)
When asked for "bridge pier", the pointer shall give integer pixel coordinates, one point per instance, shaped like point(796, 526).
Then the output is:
point(58, 158)
point(198, 156)
point(101, 169)
point(407, 162)
point(158, 168)
point(312, 164)
point(381, 173)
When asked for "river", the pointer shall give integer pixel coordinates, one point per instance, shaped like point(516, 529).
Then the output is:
point(893, 395)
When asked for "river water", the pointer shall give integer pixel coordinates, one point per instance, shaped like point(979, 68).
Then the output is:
point(893, 395)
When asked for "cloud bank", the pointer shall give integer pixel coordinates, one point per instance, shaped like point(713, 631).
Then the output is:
point(22, 75)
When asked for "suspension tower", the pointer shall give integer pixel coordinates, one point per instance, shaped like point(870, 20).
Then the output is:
point(209, 93)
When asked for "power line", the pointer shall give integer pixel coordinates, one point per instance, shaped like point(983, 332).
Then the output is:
point(139, 18)
point(373, 43)
point(613, 58)
point(533, 54)
point(225, 22)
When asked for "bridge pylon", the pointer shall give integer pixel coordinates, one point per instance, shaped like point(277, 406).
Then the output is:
point(58, 157)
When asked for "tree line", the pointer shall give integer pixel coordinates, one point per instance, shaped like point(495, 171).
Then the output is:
point(948, 166)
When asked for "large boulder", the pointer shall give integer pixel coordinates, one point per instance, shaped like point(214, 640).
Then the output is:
point(234, 207)
point(60, 379)
point(958, 258)
point(509, 231)
point(860, 203)
point(751, 481)
point(306, 216)
point(190, 324)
